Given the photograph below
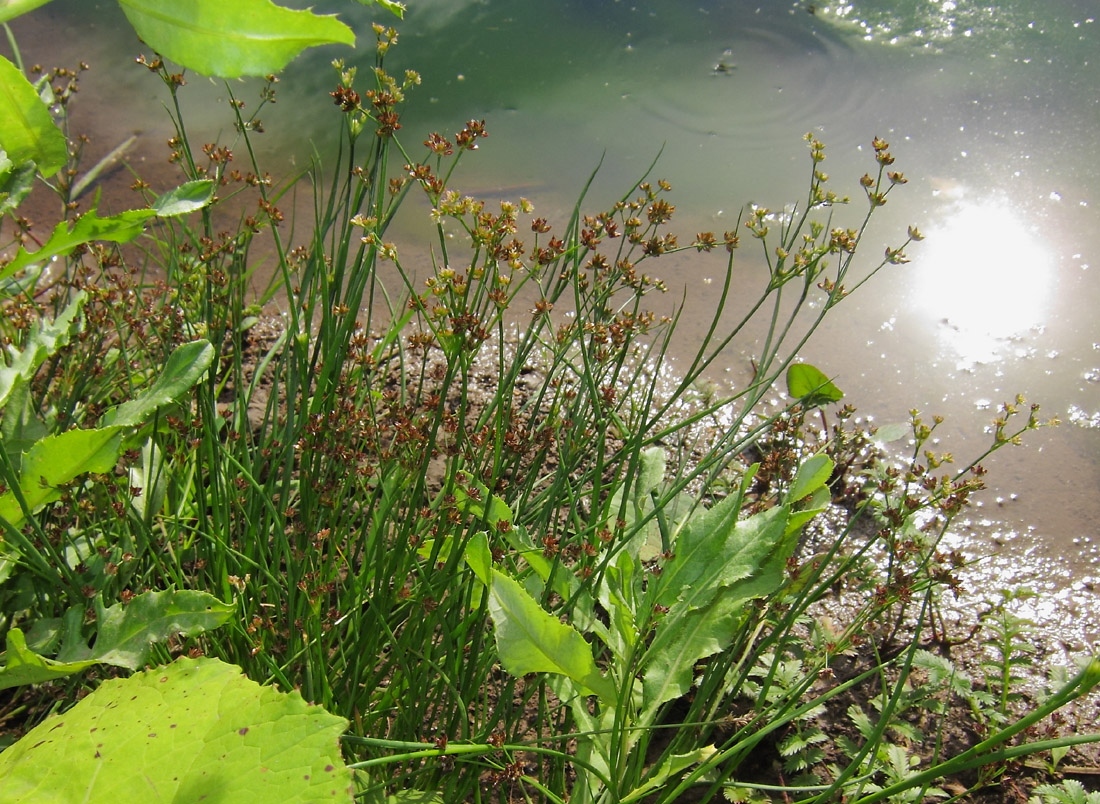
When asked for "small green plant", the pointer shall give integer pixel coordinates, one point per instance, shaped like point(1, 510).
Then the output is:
point(1070, 791)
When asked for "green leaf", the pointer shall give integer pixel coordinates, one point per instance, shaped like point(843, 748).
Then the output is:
point(493, 511)
point(715, 550)
point(811, 386)
point(811, 476)
point(27, 132)
point(120, 228)
point(415, 797)
point(23, 666)
point(184, 368)
point(56, 460)
point(125, 633)
point(391, 5)
point(531, 640)
point(895, 431)
point(188, 197)
point(10, 9)
point(16, 182)
point(195, 730)
point(479, 558)
point(229, 40)
point(124, 638)
point(45, 339)
point(758, 550)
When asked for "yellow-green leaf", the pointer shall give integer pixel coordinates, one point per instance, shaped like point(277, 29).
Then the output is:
point(27, 132)
point(244, 37)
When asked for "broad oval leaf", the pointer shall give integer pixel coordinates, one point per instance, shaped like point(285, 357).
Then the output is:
point(27, 132)
point(188, 197)
point(195, 730)
point(184, 368)
point(124, 635)
point(531, 640)
point(57, 459)
point(811, 386)
point(229, 40)
point(814, 473)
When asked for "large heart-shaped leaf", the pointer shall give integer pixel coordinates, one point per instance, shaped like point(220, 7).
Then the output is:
point(245, 37)
point(195, 730)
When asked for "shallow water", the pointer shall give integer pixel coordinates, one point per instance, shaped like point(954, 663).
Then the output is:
point(991, 113)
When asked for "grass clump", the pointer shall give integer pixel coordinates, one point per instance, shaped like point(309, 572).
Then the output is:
point(469, 512)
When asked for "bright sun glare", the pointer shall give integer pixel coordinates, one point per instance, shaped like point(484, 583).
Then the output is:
point(985, 274)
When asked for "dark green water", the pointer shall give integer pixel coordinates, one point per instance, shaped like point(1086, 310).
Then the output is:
point(992, 111)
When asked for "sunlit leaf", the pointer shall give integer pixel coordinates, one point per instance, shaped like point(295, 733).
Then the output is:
point(894, 431)
point(16, 182)
point(23, 666)
point(531, 640)
point(195, 730)
point(811, 475)
point(811, 386)
point(56, 460)
point(391, 5)
point(185, 366)
point(188, 197)
point(124, 638)
point(244, 37)
point(10, 9)
point(27, 132)
point(88, 228)
point(45, 339)
point(125, 633)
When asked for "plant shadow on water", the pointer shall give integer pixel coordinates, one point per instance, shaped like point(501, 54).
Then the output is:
point(476, 510)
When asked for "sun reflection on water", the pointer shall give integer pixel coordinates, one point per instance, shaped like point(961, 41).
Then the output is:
point(986, 275)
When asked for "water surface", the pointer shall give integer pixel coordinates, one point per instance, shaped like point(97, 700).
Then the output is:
point(991, 111)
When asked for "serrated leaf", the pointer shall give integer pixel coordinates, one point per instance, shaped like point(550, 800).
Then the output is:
point(27, 132)
point(23, 666)
point(16, 182)
point(125, 633)
point(700, 633)
point(45, 339)
point(811, 386)
point(124, 637)
point(194, 730)
point(230, 40)
point(188, 197)
point(392, 6)
point(531, 640)
point(88, 228)
point(715, 550)
point(184, 368)
point(56, 460)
